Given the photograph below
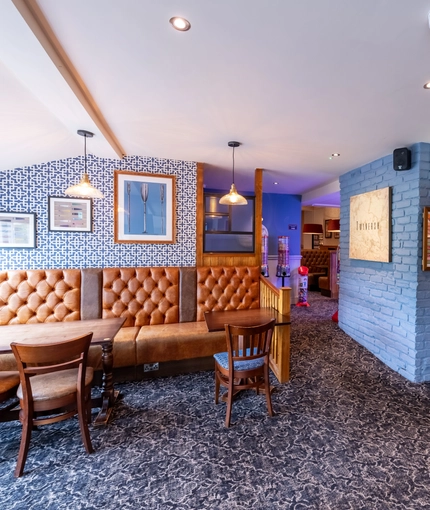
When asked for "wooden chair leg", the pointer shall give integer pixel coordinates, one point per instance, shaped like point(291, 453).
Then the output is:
point(216, 385)
point(83, 425)
point(27, 425)
point(229, 402)
point(88, 407)
point(267, 390)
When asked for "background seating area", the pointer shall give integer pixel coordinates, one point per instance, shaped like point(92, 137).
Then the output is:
point(317, 261)
point(322, 271)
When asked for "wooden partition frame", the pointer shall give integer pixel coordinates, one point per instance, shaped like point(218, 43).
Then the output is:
point(229, 259)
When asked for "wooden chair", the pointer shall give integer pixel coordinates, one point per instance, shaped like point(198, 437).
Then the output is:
point(55, 378)
point(245, 365)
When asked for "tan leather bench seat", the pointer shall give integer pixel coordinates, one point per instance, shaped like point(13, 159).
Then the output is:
point(164, 342)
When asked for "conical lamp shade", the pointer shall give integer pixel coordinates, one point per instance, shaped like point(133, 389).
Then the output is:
point(233, 198)
point(333, 225)
point(84, 189)
point(312, 228)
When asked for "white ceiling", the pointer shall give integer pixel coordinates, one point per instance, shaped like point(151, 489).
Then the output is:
point(293, 81)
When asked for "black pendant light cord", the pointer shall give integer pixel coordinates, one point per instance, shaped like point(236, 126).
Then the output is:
point(233, 165)
point(85, 152)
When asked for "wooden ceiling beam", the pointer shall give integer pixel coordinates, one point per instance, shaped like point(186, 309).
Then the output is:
point(40, 27)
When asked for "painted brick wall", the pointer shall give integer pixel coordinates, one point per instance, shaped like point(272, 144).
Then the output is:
point(385, 306)
point(27, 190)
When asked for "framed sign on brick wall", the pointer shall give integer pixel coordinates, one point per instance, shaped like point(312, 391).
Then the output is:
point(370, 226)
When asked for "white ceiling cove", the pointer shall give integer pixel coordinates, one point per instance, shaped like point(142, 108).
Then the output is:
point(293, 81)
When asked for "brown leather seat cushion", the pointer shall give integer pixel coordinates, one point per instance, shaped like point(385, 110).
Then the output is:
point(8, 380)
point(124, 350)
point(323, 283)
point(56, 384)
point(167, 342)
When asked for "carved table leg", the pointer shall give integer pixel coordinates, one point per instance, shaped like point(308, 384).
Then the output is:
point(109, 395)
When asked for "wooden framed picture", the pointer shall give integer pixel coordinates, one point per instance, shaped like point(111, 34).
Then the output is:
point(327, 234)
point(17, 230)
point(70, 214)
point(144, 207)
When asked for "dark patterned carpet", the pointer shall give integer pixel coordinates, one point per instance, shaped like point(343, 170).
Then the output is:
point(348, 434)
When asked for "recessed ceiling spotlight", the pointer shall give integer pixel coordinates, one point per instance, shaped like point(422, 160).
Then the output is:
point(427, 85)
point(275, 182)
point(181, 24)
point(335, 155)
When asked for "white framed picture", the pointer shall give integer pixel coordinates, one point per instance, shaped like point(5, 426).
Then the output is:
point(17, 230)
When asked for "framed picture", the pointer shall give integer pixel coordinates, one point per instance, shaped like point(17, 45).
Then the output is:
point(327, 234)
point(370, 226)
point(70, 214)
point(17, 230)
point(144, 206)
point(336, 235)
point(315, 241)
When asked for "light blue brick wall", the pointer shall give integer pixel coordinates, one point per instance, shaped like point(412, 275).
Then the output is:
point(386, 306)
point(27, 190)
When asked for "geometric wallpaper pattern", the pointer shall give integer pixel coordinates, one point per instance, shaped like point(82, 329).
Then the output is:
point(27, 190)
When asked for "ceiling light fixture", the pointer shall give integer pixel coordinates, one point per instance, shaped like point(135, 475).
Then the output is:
point(312, 228)
point(333, 225)
point(84, 188)
point(180, 24)
point(427, 85)
point(233, 197)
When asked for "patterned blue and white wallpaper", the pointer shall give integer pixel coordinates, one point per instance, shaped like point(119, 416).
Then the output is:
point(27, 190)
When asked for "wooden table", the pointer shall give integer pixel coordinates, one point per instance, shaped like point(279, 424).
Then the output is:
point(215, 321)
point(104, 331)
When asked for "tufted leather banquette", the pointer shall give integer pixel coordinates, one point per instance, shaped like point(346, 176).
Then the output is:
point(40, 295)
point(227, 288)
point(163, 306)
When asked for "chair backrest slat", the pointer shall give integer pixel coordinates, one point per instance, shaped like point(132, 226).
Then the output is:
point(246, 343)
point(41, 358)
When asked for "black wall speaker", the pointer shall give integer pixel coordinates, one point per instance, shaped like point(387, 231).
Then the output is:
point(402, 159)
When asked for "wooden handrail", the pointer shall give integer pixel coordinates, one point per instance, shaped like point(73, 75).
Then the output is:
point(280, 300)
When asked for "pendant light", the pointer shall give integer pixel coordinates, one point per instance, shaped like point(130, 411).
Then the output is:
point(84, 188)
point(233, 197)
point(333, 225)
point(312, 228)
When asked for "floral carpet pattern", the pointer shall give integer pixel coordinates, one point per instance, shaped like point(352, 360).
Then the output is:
point(349, 433)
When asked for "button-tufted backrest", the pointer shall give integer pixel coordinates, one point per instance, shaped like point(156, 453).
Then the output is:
point(144, 295)
point(314, 260)
point(39, 295)
point(227, 288)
